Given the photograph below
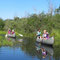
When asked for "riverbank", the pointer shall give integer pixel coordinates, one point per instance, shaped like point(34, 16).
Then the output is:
point(56, 34)
point(3, 32)
point(3, 41)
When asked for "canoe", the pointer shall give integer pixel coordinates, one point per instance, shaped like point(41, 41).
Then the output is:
point(10, 36)
point(49, 41)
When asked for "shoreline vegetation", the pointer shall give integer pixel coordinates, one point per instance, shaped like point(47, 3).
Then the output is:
point(29, 25)
point(5, 42)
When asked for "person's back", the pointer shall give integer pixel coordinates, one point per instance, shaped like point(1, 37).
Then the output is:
point(47, 35)
point(13, 33)
point(44, 35)
point(38, 33)
point(9, 31)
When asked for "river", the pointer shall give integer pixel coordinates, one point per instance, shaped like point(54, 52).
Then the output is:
point(29, 49)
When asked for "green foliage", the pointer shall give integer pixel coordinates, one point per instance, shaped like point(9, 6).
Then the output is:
point(56, 34)
point(0, 43)
point(4, 42)
point(7, 43)
point(34, 22)
point(2, 32)
point(1, 24)
point(1, 38)
point(56, 52)
point(9, 24)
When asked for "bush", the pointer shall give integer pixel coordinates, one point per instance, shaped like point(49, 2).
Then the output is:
point(7, 43)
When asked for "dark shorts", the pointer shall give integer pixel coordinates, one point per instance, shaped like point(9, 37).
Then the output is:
point(38, 35)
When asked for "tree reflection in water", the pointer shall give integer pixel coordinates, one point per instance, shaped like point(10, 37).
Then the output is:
point(34, 49)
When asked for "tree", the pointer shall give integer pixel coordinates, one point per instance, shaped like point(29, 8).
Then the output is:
point(9, 24)
point(1, 24)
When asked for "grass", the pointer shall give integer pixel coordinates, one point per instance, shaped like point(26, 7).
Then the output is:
point(56, 37)
point(2, 32)
point(7, 43)
point(1, 38)
point(3, 41)
point(0, 43)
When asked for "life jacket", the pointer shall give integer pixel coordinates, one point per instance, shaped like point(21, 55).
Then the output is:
point(9, 32)
point(13, 32)
point(47, 36)
point(44, 35)
point(38, 33)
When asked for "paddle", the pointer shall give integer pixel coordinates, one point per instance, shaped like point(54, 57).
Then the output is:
point(19, 34)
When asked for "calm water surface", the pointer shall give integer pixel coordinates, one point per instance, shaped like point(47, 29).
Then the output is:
point(28, 49)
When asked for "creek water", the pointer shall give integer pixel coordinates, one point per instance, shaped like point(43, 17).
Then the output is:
point(29, 49)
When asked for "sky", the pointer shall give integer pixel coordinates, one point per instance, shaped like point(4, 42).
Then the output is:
point(21, 8)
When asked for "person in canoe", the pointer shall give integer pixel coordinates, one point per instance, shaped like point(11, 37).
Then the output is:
point(46, 35)
point(9, 31)
point(38, 33)
point(13, 32)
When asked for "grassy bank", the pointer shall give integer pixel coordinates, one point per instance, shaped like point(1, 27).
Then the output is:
point(57, 37)
point(3, 41)
point(55, 33)
point(2, 32)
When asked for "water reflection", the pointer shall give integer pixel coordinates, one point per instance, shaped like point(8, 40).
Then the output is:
point(32, 48)
point(57, 52)
point(14, 39)
point(11, 39)
point(45, 50)
point(29, 47)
